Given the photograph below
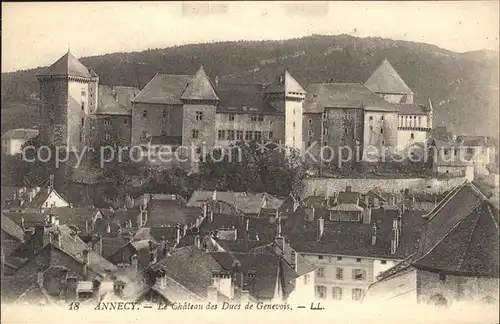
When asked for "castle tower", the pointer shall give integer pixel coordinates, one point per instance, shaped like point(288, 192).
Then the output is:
point(387, 83)
point(199, 108)
point(288, 96)
point(68, 97)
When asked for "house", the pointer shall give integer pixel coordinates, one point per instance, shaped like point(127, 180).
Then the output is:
point(14, 198)
point(349, 252)
point(59, 266)
point(447, 160)
point(14, 139)
point(45, 198)
point(456, 259)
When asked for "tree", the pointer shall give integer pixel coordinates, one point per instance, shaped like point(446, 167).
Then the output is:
point(250, 166)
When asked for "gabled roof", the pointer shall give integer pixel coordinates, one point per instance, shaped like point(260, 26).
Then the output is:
point(20, 134)
point(343, 95)
point(68, 65)
point(164, 89)
point(385, 79)
point(108, 103)
point(11, 228)
point(285, 83)
point(40, 198)
point(164, 212)
point(200, 87)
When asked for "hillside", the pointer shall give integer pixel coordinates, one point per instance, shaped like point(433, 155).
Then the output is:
point(463, 87)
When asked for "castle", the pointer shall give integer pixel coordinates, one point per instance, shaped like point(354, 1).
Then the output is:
point(195, 110)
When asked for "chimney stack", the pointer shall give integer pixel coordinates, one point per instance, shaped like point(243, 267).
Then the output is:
point(321, 227)
point(205, 208)
point(247, 224)
point(152, 252)
point(395, 234)
point(374, 234)
point(216, 80)
point(134, 263)
point(212, 293)
point(184, 230)
point(197, 241)
point(86, 261)
point(177, 234)
point(212, 212)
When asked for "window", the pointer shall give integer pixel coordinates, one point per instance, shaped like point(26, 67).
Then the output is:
point(325, 131)
point(455, 152)
point(357, 294)
point(412, 136)
point(221, 134)
point(230, 135)
point(195, 133)
point(371, 127)
point(381, 131)
point(321, 292)
point(320, 257)
point(83, 105)
point(320, 272)
point(293, 124)
point(339, 258)
point(231, 117)
point(253, 117)
point(82, 137)
point(199, 115)
point(83, 93)
point(470, 150)
point(383, 261)
point(198, 150)
point(358, 259)
point(345, 130)
point(248, 135)
point(261, 117)
point(371, 117)
point(337, 293)
point(107, 137)
point(442, 277)
point(324, 115)
point(294, 111)
point(306, 279)
point(270, 122)
point(310, 133)
point(83, 122)
point(145, 114)
point(239, 135)
point(107, 121)
point(382, 118)
point(310, 121)
point(270, 135)
point(164, 114)
point(446, 152)
point(339, 274)
point(358, 274)
point(257, 135)
point(125, 121)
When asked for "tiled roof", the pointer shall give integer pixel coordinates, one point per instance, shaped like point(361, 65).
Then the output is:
point(342, 95)
point(173, 291)
point(346, 207)
point(41, 197)
point(125, 94)
point(200, 87)
point(190, 267)
point(68, 65)
point(354, 239)
point(385, 79)
point(30, 218)
point(246, 98)
point(164, 212)
point(411, 109)
point(109, 245)
point(108, 103)
point(164, 89)
point(468, 140)
point(11, 228)
point(348, 197)
point(20, 134)
point(285, 83)
point(242, 245)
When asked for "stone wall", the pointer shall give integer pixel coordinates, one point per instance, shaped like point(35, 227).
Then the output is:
point(327, 186)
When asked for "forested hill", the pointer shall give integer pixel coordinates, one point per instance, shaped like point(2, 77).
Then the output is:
point(463, 86)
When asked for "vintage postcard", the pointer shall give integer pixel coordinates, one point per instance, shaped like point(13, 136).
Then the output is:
point(250, 162)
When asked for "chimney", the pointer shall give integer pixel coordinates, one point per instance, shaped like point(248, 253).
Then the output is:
point(395, 234)
point(152, 252)
point(86, 262)
point(374, 233)
point(212, 212)
point(212, 293)
point(216, 80)
point(321, 227)
point(197, 241)
point(177, 234)
point(205, 208)
point(367, 216)
point(184, 230)
point(108, 228)
point(348, 188)
point(22, 223)
point(367, 201)
point(119, 232)
point(247, 224)
point(86, 226)
point(134, 263)
point(51, 182)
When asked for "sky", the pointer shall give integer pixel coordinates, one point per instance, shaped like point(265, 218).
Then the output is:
point(37, 34)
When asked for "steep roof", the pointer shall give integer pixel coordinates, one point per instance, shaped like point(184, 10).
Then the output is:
point(11, 228)
point(385, 79)
point(412, 109)
point(243, 98)
point(285, 83)
point(163, 212)
point(343, 95)
point(108, 103)
point(68, 65)
point(20, 134)
point(164, 89)
point(200, 87)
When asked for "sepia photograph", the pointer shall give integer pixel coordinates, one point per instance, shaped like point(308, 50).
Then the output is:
point(250, 162)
